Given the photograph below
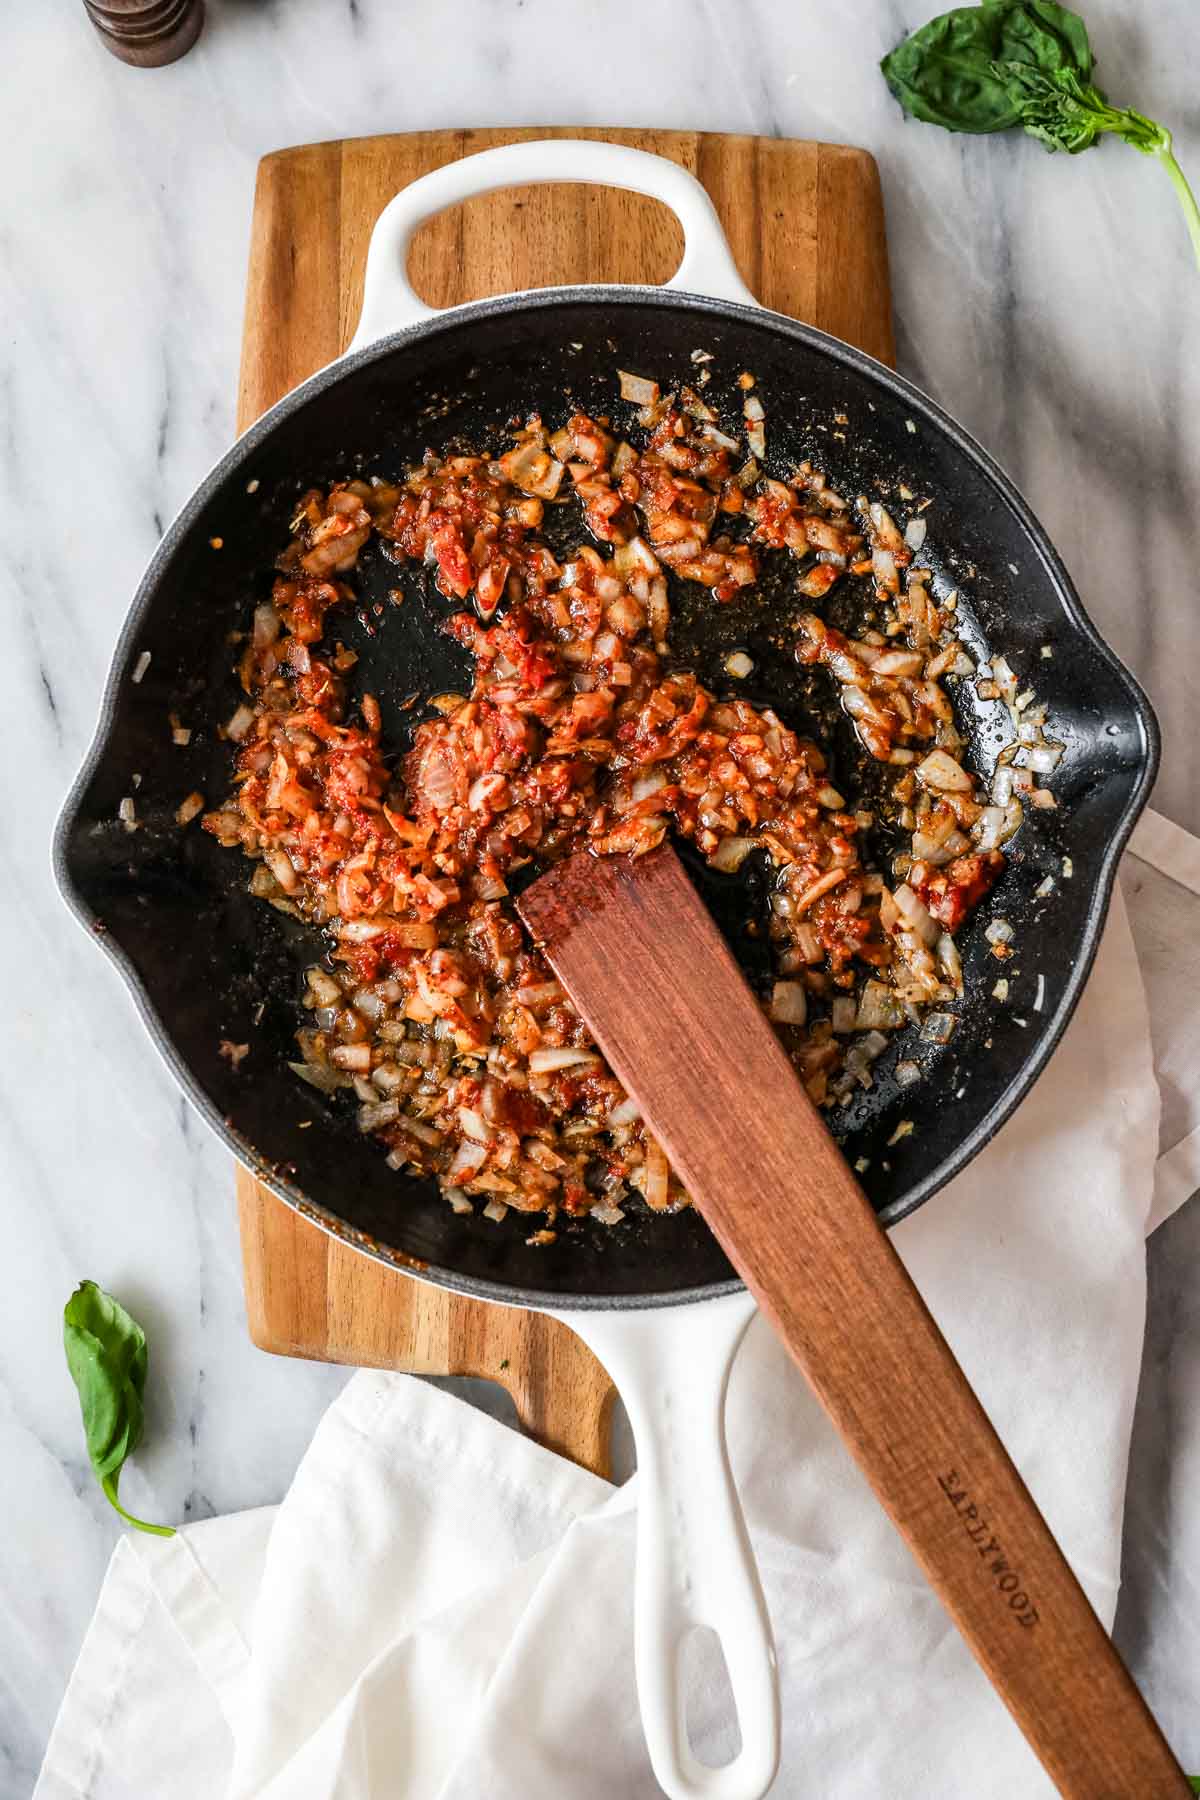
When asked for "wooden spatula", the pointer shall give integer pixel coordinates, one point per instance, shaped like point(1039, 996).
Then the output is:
point(645, 966)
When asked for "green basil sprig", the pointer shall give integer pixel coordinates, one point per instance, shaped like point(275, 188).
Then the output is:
point(1022, 62)
point(106, 1354)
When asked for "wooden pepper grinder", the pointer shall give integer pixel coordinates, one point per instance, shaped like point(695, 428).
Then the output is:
point(147, 33)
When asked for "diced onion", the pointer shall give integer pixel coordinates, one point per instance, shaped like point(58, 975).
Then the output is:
point(808, 943)
point(947, 952)
point(842, 1014)
point(879, 1009)
point(551, 1061)
point(631, 557)
point(539, 993)
point(627, 1112)
point(636, 389)
point(467, 1161)
point(239, 724)
point(917, 916)
point(995, 825)
point(474, 1125)
point(389, 1079)
point(941, 772)
point(789, 1003)
point(267, 626)
point(730, 854)
point(884, 527)
point(607, 1215)
point(1004, 678)
point(649, 783)
point(417, 936)
point(938, 1028)
point(382, 1112)
point(656, 1189)
point(899, 662)
point(424, 1134)
point(323, 988)
point(930, 850)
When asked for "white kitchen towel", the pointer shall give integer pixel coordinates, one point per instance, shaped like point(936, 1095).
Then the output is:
point(1161, 881)
point(440, 1608)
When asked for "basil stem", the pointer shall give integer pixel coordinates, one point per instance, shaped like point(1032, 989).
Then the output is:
point(1191, 212)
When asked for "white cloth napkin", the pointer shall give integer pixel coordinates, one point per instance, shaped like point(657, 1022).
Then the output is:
point(440, 1608)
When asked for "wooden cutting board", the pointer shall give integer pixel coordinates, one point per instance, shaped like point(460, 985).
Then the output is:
point(805, 223)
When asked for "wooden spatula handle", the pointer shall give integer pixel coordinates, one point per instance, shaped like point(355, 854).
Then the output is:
point(642, 960)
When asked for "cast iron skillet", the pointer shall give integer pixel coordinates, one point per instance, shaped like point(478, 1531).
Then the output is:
point(206, 963)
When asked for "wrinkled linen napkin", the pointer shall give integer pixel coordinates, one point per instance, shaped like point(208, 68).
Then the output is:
point(440, 1608)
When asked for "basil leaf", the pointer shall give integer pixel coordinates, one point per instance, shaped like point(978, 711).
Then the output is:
point(1041, 33)
point(1022, 62)
point(958, 71)
point(946, 73)
point(106, 1354)
point(943, 73)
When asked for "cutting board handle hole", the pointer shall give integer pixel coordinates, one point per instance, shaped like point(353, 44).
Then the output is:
point(584, 234)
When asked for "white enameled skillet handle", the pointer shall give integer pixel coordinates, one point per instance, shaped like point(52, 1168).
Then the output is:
point(389, 301)
point(695, 1566)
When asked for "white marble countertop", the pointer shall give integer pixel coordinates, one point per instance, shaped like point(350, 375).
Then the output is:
point(1048, 302)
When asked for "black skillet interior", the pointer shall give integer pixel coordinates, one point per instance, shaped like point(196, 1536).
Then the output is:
point(207, 963)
